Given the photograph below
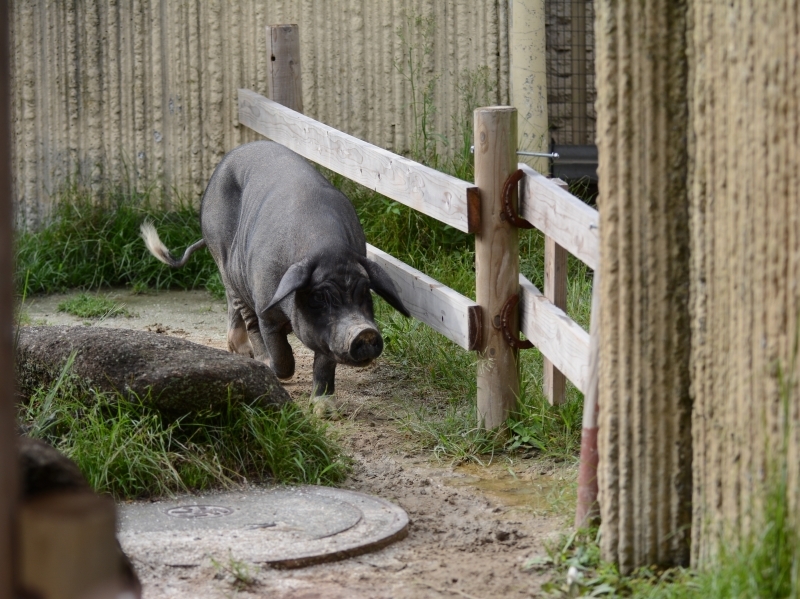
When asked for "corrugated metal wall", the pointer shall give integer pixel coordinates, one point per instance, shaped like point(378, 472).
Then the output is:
point(144, 91)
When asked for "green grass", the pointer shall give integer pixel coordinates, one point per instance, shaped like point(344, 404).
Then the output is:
point(92, 306)
point(91, 245)
point(130, 450)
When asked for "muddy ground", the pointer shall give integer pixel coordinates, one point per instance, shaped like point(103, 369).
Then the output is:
point(473, 527)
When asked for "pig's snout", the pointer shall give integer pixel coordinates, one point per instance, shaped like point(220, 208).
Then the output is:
point(366, 345)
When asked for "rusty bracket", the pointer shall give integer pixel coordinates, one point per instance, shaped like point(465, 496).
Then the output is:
point(509, 210)
point(505, 322)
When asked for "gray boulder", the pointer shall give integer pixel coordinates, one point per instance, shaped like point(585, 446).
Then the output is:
point(173, 375)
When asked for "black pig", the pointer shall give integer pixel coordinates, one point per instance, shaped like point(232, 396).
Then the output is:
point(292, 257)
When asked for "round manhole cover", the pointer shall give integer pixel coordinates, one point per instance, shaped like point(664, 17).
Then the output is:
point(280, 526)
point(198, 511)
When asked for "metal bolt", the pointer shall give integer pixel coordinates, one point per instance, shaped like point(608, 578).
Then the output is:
point(552, 155)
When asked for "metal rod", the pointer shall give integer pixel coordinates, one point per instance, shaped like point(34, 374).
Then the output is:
point(539, 154)
point(553, 155)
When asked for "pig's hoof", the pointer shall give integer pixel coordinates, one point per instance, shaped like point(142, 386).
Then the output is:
point(325, 407)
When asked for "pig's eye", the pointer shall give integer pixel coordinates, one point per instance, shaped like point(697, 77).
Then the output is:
point(319, 298)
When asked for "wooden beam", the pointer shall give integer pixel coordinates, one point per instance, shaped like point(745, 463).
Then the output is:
point(557, 336)
point(555, 289)
point(8, 432)
point(496, 264)
point(560, 215)
point(446, 311)
point(283, 66)
point(445, 198)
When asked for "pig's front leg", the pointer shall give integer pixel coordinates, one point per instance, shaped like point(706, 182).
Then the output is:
point(324, 373)
point(323, 401)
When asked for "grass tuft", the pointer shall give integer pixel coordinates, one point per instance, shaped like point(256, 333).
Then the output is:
point(91, 244)
point(92, 306)
point(130, 450)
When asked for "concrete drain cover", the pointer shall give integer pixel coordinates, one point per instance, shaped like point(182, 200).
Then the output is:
point(286, 527)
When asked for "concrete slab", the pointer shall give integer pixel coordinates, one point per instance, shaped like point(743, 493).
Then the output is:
point(284, 527)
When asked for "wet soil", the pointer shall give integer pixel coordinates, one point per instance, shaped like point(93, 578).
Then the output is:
point(473, 526)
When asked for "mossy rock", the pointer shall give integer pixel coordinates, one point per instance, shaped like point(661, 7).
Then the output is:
point(173, 375)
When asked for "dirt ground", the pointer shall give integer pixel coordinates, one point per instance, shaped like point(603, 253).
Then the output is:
point(473, 527)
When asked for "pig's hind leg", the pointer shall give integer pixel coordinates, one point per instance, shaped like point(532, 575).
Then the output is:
point(269, 344)
point(281, 356)
point(238, 341)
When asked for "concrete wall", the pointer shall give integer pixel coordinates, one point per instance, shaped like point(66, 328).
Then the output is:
point(698, 120)
point(644, 439)
point(144, 91)
point(745, 208)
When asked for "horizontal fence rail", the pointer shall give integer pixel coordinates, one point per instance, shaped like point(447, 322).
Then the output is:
point(571, 223)
point(567, 223)
point(441, 196)
point(560, 339)
point(446, 311)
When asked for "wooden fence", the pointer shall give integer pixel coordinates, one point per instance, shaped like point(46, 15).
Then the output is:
point(487, 209)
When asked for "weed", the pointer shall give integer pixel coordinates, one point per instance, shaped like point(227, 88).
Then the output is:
point(92, 306)
point(239, 572)
point(130, 450)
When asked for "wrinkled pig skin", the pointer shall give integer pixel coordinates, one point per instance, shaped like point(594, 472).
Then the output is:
point(292, 256)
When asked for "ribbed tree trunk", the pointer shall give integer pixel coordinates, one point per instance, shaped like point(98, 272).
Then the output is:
point(645, 407)
point(745, 205)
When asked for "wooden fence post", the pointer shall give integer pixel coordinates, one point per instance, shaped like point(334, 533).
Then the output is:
point(284, 81)
point(555, 289)
point(587, 511)
point(8, 436)
point(496, 263)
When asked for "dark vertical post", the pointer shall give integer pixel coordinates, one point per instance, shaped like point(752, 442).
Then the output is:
point(8, 452)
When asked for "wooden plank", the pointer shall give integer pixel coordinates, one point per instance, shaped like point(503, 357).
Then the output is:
point(283, 66)
point(445, 198)
point(555, 289)
point(560, 215)
point(557, 336)
point(496, 263)
point(441, 308)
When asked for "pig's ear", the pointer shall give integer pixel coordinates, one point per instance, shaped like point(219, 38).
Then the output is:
point(381, 284)
point(293, 279)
